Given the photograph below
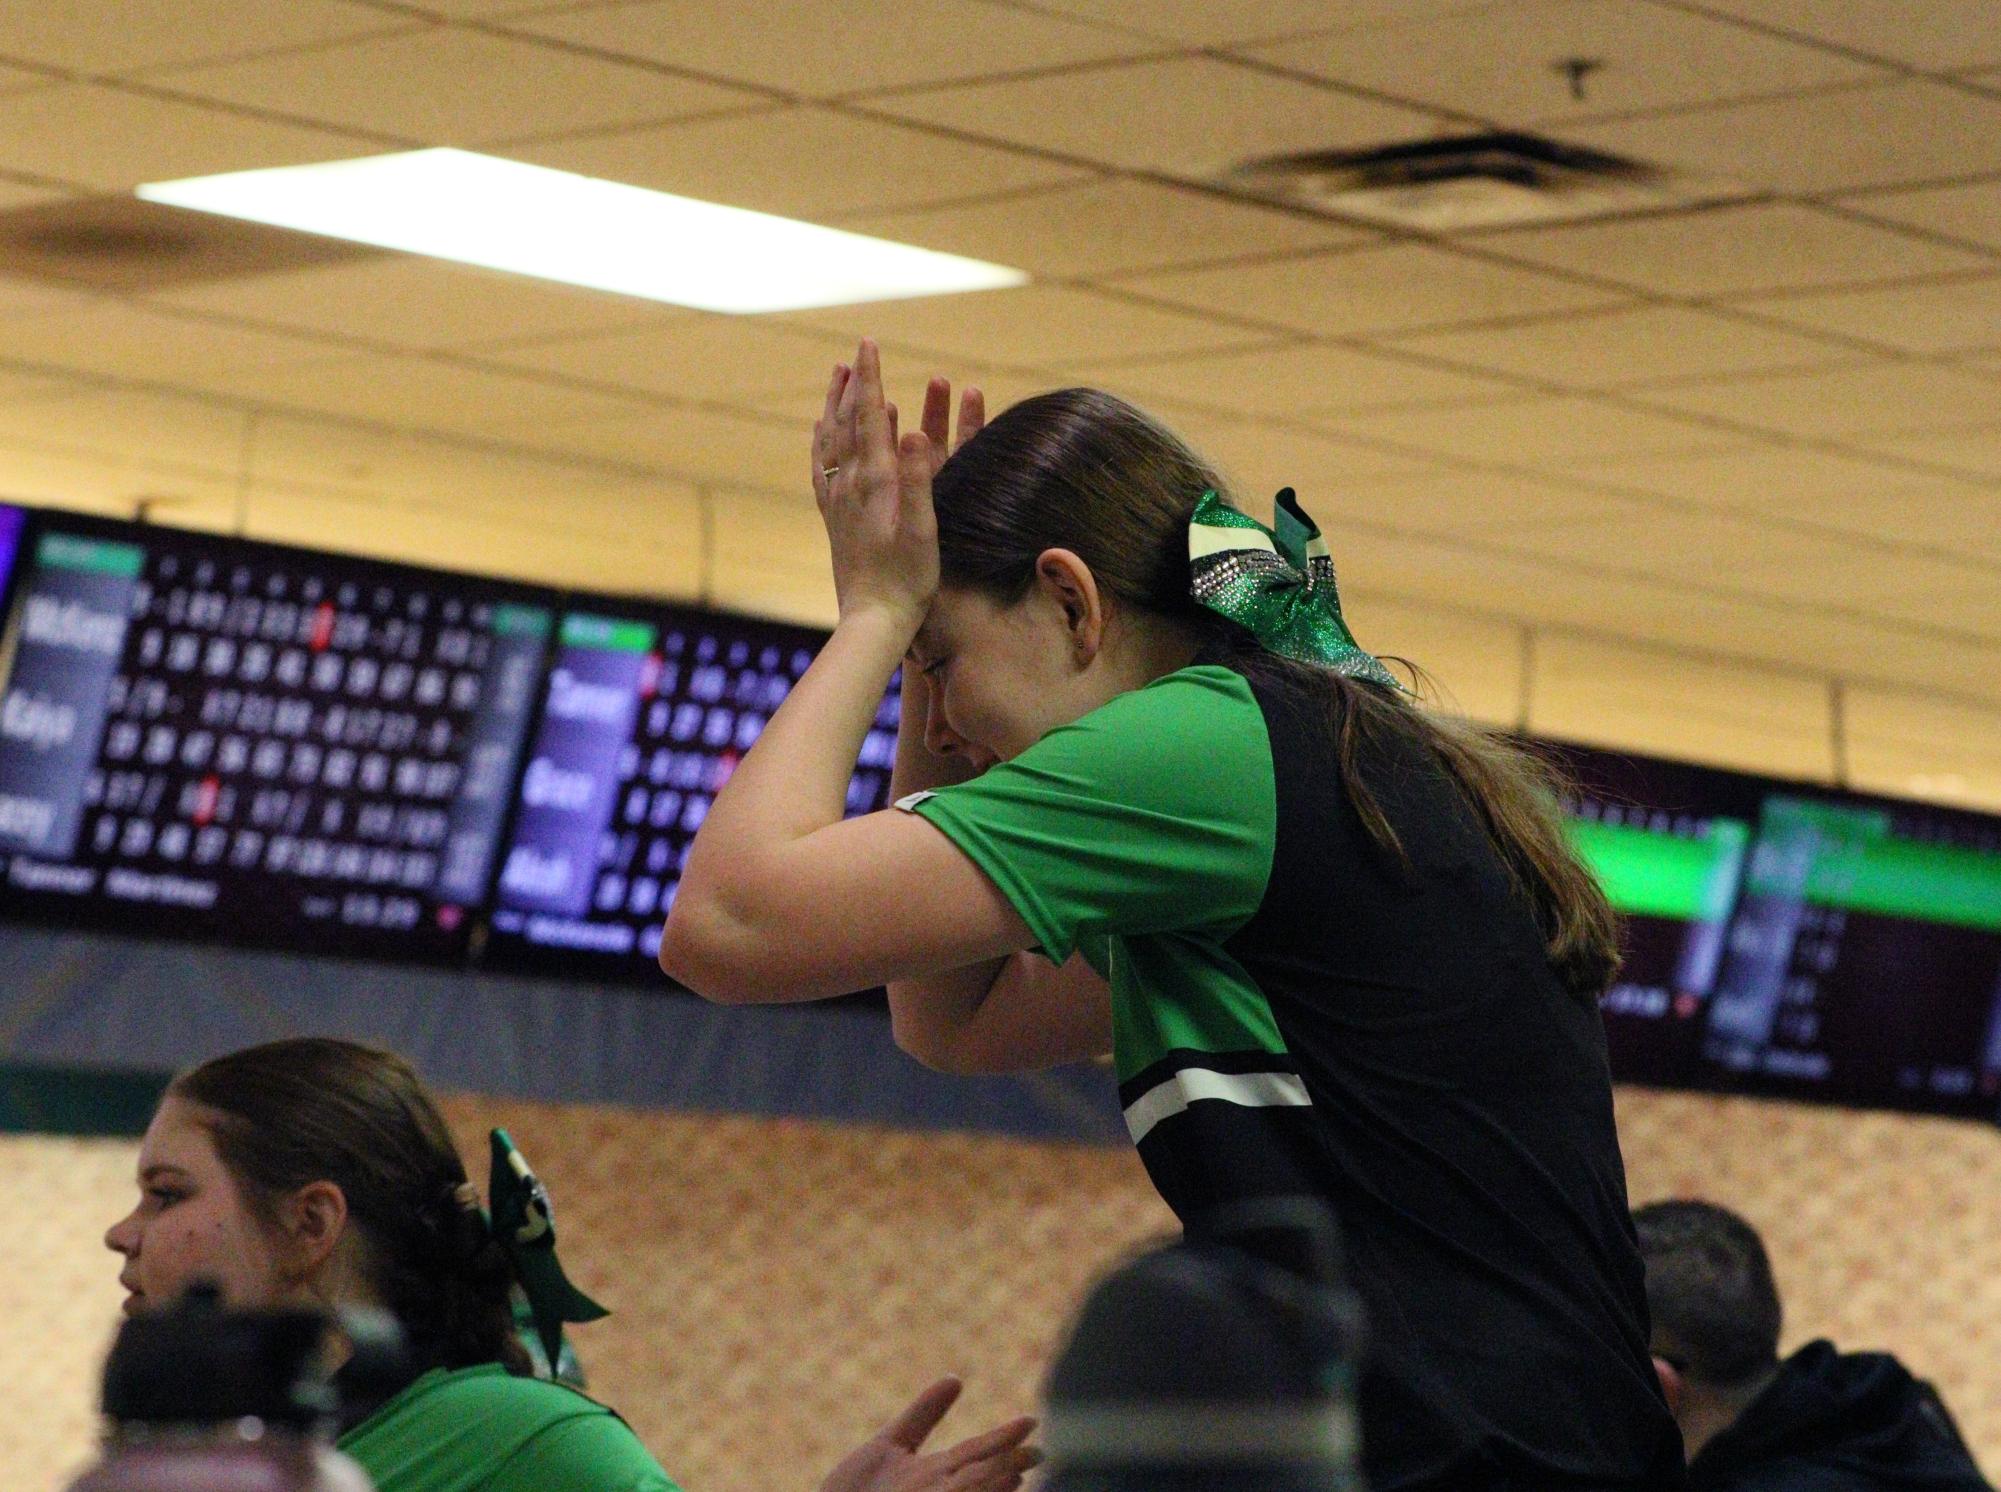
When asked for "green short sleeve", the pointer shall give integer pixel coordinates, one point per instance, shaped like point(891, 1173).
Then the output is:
point(597, 1452)
point(480, 1429)
point(1155, 813)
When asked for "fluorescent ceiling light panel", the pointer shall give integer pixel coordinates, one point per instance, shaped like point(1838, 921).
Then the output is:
point(556, 225)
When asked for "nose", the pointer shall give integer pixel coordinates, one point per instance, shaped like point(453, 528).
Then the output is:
point(122, 1237)
point(939, 737)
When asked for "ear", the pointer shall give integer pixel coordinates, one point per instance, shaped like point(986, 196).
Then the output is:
point(1067, 582)
point(1673, 1387)
point(315, 1221)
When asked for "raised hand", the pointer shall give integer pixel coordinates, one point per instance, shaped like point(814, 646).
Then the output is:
point(937, 406)
point(874, 491)
point(892, 1460)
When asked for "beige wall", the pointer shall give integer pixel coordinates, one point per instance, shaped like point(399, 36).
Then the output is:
point(781, 1285)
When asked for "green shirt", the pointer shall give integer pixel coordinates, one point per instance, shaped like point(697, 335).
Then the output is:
point(1142, 837)
point(1298, 1014)
point(484, 1430)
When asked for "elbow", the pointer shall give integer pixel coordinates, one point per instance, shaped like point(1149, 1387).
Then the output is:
point(701, 951)
point(941, 1051)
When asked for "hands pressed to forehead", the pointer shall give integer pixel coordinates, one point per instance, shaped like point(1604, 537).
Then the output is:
point(873, 485)
point(859, 421)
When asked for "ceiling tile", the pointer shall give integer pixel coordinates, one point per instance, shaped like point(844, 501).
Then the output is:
point(1902, 742)
point(1547, 434)
point(1969, 211)
point(1205, 23)
point(1717, 710)
point(1841, 404)
point(24, 297)
point(1300, 379)
point(27, 194)
point(1876, 499)
point(1106, 228)
point(1734, 251)
point(1455, 573)
point(488, 10)
point(159, 429)
point(815, 50)
point(19, 386)
point(447, 86)
point(727, 359)
point(1474, 662)
point(1255, 458)
point(1926, 593)
point(88, 483)
point(1739, 553)
point(649, 553)
point(1941, 35)
point(106, 138)
point(1974, 449)
point(312, 451)
point(1900, 133)
point(767, 453)
point(1504, 63)
point(779, 161)
point(416, 304)
point(769, 557)
point(1938, 317)
point(426, 393)
point(125, 340)
point(1036, 326)
point(156, 33)
point(1191, 117)
point(1473, 503)
point(1624, 348)
point(18, 79)
point(1402, 287)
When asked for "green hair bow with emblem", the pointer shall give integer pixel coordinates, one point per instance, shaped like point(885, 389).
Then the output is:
point(524, 1224)
point(1277, 582)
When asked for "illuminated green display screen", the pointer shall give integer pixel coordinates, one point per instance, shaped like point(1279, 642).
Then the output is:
point(1654, 874)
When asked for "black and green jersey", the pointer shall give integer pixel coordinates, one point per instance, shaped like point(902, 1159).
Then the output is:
point(1295, 1014)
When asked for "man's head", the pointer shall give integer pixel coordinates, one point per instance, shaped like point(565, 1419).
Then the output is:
point(1715, 1311)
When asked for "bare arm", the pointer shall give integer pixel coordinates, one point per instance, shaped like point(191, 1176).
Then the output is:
point(1029, 1015)
point(781, 899)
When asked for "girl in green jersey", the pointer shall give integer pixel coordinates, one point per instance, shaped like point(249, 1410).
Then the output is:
point(317, 1172)
point(1154, 800)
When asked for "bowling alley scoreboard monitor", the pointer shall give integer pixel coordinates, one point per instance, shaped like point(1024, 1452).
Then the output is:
point(224, 739)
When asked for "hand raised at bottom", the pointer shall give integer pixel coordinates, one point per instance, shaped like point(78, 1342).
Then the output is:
point(892, 1460)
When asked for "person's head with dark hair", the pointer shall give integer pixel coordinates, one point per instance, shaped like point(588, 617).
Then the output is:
point(1715, 1311)
point(315, 1171)
point(1067, 517)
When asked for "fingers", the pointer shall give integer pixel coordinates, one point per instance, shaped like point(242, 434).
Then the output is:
point(920, 1417)
point(893, 438)
point(828, 443)
point(972, 414)
point(834, 387)
point(999, 1442)
point(1002, 1473)
point(868, 409)
point(914, 464)
point(937, 413)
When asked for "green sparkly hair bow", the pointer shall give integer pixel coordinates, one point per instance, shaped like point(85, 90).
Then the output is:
point(525, 1226)
point(1276, 582)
